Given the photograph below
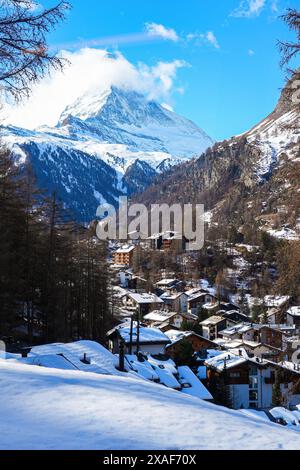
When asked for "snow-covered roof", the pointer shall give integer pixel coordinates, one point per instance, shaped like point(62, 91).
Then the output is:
point(210, 305)
point(194, 291)
point(197, 295)
point(191, 385)
point(159, 315)
point(145, 298)
point(287, 416)
point(214, 320)
point(178, 335)
point(125, 249)
point(291, 366)
point(166, 282)
point(146, 335)
point(294, 311)
point(240, 328)
point(53, 361)
point(227, 359)
point(166, 371)
point(166, 296)
point(102, 361)
point(276, 300)
point(143, 369)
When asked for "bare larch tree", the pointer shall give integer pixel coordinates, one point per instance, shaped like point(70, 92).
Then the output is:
point(289, 50)
point(24, 54)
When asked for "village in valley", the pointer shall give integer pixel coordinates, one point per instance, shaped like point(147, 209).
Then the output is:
point(202, 339)
point(149, 267)
point(215, 341)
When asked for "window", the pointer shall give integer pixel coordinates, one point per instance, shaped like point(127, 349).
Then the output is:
point(253, 395)
point(234, 375)
point(253, 382)
point(253, 370)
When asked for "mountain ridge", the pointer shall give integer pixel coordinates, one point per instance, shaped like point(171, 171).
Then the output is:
point(118, 132)
point(250, 181)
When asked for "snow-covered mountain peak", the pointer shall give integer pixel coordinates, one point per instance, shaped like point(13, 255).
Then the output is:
point(87, 106)
point(106, 144)
point(118, 106)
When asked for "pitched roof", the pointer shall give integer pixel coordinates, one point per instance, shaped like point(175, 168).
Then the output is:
point(125, 249)
point(102, 361)
point(146, 335)
point(160, 315)
point(145, 298)
point(213, 320)
point(294, 311)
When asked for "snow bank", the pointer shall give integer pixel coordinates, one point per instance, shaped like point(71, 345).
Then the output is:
point(44, 408)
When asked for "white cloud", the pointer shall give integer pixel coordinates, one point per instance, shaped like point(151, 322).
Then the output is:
point(159, 30)
point(274, 6)
point(201, 38)
point(248, 8)
point(251, 52)
point(92, 70)
point(212, 39)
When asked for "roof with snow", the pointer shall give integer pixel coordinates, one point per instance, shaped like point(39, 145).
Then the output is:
point(166, 296)
point(226, 360)
point(178, 335)
point(125, 249)
point(237, 329)
point(276, 300)
point(146, 335)
point(294, 311)
point(230, 359)
point(166, 282)
point(145, 298)
point(160, 315)
point(213, 320)
point(101, 360)
point(191, 385)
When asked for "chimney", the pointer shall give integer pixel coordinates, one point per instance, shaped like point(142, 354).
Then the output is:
point(85, 359)
point(25, 352)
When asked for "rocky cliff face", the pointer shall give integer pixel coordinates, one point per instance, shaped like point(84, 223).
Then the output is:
point(252, 179)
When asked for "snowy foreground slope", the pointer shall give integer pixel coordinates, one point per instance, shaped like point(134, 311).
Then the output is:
point(44, 408)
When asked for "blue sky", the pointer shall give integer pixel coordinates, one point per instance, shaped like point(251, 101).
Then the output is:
point(227, 75)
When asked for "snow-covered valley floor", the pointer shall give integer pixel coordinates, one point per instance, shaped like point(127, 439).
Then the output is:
point(44, 408)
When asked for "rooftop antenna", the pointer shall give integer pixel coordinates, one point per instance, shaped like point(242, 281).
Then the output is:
point(121, 356)
point(138, 333)
point(130, 335)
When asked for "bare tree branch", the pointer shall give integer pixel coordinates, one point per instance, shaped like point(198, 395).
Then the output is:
point(289, 50)
point(24, 54)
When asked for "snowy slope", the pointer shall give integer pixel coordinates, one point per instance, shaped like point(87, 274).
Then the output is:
point(60, 409)
point(118, 132)
point(274, 138)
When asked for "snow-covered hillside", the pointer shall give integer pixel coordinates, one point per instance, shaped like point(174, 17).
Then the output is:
point(118, 132)
point(43, 408)
point(275, 136)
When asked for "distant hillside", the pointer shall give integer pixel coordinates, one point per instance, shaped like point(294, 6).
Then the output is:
point(252, 179)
